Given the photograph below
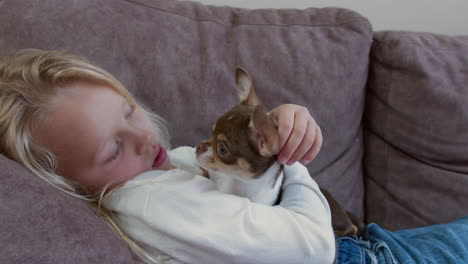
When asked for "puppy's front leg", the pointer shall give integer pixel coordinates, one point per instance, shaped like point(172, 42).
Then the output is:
point(343, 222)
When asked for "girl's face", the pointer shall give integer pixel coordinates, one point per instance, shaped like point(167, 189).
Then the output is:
point(99, 138)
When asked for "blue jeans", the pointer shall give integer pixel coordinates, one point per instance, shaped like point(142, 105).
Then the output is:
point(438, 244)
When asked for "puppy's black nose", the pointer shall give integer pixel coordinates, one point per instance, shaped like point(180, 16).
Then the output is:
point(201, 147)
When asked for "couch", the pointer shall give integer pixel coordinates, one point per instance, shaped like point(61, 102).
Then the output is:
point(392, 105)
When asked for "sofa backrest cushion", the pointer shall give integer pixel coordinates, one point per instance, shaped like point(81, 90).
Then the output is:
point(416, 136)
point(178, 58)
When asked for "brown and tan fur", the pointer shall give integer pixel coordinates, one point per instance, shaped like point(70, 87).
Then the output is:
point(242, 150)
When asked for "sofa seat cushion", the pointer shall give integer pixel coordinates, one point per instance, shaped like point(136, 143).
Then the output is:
point(416, 136)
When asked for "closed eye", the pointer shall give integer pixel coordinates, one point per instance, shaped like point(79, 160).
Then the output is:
point(118, 142)
point(114, 156)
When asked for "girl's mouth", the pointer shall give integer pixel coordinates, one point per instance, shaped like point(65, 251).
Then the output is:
point(160, 158)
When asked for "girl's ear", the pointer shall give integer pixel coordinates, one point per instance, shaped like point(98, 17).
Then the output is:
point(265, 131)
point(245, 89)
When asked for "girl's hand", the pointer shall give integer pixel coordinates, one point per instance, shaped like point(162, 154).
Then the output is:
point(300, 136)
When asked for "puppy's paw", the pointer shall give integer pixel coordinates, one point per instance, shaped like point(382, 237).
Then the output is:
point(349, 230)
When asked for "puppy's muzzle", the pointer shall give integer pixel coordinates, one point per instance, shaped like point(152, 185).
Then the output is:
point(202, 147)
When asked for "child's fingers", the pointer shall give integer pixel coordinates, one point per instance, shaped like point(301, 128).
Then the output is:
point(285, 127)
point(314, 150)
point(301, 118)
point(305, 145)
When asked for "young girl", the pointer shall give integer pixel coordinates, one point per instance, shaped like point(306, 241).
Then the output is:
point(75, 126)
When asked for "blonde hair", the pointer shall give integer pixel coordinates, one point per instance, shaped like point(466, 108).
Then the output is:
point(29, 80)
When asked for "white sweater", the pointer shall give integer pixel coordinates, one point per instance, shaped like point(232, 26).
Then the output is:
point(180, 214)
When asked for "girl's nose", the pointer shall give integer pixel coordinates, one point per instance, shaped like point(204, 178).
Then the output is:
point(144, 141)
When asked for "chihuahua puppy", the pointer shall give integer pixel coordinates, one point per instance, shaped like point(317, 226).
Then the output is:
point(241, 156)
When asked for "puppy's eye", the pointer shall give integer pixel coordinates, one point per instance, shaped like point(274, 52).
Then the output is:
point(222, 149)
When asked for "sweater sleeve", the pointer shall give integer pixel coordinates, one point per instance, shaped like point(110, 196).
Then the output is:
point(184, 216)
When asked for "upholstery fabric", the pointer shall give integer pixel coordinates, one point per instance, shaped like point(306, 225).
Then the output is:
point(40, 224)
point(416, 122)
point(178, 58)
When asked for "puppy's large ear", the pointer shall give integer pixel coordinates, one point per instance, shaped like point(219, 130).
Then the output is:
point(265, 132)
point(245, 88)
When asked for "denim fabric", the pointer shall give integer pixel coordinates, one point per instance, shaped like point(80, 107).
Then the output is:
point(438, 244)
point(354, 250)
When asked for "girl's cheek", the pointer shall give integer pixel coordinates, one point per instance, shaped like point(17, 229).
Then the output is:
point(131, 167)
